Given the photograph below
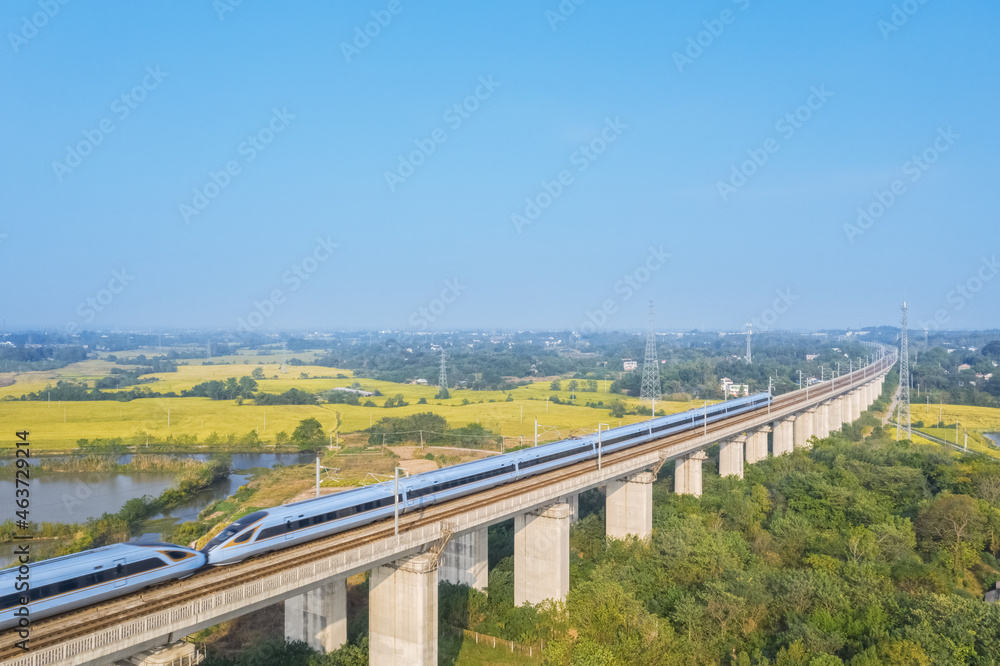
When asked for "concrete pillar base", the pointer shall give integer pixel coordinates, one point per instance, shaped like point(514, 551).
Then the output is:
point(630, 507)
point(541, 555)
point(687, 474)
point(403, 612)
point(756, 448)
point(731, 457)
point(465, 560)
point(319, 617)
point(802, 429)
point(821, 424)
point(783, 436)
point(836, 417)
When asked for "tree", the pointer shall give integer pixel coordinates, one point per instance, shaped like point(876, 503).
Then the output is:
point(258, 373)
point(591, 386)
point(309, 435)
point(247, 386)
point(618, 408)
point(953, 523)
point(442, 394)
point(555, 385)
point(988, 487)
point(991, 350)
point(573, 384)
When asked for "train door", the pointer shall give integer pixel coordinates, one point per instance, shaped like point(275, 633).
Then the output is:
point(289, 525)
point(119, 569)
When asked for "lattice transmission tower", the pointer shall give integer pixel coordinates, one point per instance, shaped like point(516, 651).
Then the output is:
point(903, 415)
point(443, 374)
point(650, 366)
point(749, 333)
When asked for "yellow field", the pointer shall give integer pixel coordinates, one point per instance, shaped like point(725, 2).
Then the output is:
point(975, 420)
point(59, 425)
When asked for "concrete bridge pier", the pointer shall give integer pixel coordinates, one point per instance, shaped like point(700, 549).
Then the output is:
point(687, 474)
point(802, 429)
point(783, 436)
point(836, 419)
point(465, 559)
point(403, 612)
point(319, 616)
point(630, 507)
point(822, 420)
point(731, 456)
point(756, 448)
point(541, 554)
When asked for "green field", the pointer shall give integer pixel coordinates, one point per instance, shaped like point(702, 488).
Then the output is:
point(58, 425)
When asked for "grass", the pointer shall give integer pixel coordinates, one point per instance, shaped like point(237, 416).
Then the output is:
point(453, 649)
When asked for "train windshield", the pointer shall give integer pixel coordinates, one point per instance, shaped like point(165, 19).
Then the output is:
point(234, 529)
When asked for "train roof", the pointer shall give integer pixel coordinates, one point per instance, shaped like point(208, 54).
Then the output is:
point(102, 555)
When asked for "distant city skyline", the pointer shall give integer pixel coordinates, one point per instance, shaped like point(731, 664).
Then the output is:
point(252, 167)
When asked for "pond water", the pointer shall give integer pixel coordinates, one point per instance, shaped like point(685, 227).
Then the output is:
point(995, 436)
point(76, 497)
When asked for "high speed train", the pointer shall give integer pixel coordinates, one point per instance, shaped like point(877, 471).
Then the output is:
point(63, 583)
point(283, 526)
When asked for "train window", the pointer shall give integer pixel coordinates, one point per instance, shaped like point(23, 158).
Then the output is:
point(178, 555)
point(269, 532)
point(243, 538)
point(135, 568)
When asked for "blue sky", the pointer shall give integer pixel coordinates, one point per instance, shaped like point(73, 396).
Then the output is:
point(646, 111)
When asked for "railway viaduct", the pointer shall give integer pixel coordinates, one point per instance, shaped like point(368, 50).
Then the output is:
point(444, 542)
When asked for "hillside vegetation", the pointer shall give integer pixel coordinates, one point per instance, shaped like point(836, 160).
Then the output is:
point(865, 554)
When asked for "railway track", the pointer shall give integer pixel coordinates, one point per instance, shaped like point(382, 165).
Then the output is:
point(61, 628)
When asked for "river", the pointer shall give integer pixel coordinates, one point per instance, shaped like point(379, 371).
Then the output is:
point(76, 497)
